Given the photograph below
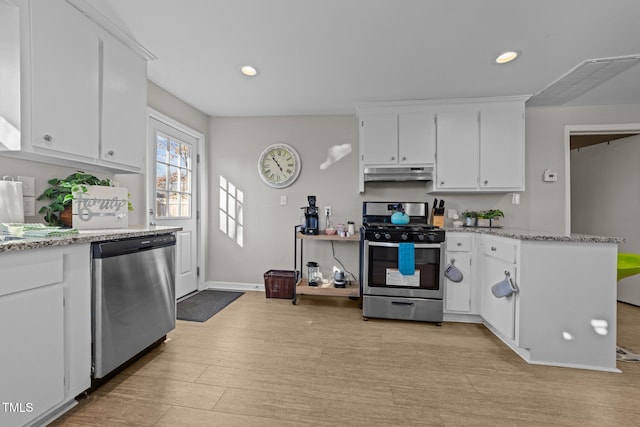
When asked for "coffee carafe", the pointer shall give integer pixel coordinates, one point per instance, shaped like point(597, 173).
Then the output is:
point(311, 216)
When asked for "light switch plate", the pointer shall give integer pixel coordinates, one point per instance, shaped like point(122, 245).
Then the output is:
point(29, 204)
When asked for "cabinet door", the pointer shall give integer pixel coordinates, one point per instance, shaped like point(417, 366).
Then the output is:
point(124, 104)
point(457, 150)
point(64, 92)
point(379, 138)
point(502, 146)
point(416, 138)
point(498, 312)
point(458, 294)
point(32, 355)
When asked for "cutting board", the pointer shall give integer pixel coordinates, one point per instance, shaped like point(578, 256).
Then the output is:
point(11, 207)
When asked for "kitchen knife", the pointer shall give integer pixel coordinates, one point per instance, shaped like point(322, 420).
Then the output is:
point(433, 209)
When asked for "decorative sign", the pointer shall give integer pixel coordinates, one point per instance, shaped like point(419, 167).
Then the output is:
point(100, 207)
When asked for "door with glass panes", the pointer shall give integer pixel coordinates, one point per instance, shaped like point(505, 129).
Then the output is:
point(173, 196)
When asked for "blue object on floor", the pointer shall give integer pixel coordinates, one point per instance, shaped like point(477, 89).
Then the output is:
point(406, 259)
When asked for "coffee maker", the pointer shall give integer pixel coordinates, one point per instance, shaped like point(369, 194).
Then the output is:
point(311, 216)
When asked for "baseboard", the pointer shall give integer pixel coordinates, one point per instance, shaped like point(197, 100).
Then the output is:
point(234, 286)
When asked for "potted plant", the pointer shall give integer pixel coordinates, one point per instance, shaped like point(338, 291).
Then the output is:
point(490, 218)
point(60, 194)
point(469, 218)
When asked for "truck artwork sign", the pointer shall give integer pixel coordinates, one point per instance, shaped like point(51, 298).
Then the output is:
point(100, 207)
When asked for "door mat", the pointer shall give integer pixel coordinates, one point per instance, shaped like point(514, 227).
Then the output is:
point(203, 305)
point(626, 355)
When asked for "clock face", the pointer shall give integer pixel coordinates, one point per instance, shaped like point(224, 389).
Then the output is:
point(279, 165)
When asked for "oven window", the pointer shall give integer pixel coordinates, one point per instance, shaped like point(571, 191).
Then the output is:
point(427, 264)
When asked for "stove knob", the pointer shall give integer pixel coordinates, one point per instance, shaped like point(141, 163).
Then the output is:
point(377, 236)
point(404, 236)
point(387, 236)
point(431, 237)
point(420, 236)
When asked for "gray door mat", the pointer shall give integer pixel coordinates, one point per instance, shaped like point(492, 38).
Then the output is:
point(203, 305)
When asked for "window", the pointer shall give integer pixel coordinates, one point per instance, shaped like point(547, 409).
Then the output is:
point(173, 177)
point(231, 210)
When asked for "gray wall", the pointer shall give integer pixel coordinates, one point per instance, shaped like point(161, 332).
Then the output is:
point(236, 143)
point(604, 198)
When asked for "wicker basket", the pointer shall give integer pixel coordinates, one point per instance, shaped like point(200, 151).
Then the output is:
point(279, 283)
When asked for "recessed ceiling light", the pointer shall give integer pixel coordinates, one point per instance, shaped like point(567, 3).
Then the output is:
point(249, 71)
point(505, 57)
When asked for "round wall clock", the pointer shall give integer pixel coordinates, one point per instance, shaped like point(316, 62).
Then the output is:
point(279, 165)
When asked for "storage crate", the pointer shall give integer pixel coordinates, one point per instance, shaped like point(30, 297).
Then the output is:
point(279, 283)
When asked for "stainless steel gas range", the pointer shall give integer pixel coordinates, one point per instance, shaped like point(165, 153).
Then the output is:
point(400, 264)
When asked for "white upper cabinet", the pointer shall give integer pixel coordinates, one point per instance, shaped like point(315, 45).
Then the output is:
point(502, 146)
point(64, 81)
point(124, 104)
point(379, 138)
point(480, 146)
point(83, 89)
point(457, 150)
point(416, 138)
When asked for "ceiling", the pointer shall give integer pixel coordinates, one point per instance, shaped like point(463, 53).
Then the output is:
point(323, 57)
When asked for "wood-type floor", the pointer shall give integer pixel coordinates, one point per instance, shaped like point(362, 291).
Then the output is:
point(266, 362)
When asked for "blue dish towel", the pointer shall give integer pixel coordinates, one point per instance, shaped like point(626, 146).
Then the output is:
point(406, 259)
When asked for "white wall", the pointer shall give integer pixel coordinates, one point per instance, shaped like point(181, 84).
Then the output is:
point(605, 199)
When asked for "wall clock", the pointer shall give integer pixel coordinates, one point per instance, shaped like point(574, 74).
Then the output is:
point(279, 165)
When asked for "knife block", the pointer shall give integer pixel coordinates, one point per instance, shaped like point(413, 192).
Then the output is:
point(438, 221)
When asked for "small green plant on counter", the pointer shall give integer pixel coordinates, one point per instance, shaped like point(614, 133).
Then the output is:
point(60, 194)
point(469, 214)
point(491, 214)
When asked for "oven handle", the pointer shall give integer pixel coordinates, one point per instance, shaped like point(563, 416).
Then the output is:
point(395, 245)
point(401, 303)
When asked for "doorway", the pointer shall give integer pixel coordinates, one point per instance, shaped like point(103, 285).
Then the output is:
point(174, 183)
point(603, 171)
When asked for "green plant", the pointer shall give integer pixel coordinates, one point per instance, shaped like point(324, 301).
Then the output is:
point(491, 214)
point(60, 194)
point(469, 214)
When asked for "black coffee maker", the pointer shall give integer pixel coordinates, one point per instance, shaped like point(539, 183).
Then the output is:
point(311, 217)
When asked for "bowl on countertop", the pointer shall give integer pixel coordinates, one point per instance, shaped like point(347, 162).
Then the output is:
point(330, 231)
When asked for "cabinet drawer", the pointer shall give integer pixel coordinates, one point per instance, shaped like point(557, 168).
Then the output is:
point(29, 269)
point(504, 249)
point(459, 243)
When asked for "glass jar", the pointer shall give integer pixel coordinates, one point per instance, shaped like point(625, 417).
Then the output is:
point(313, 273)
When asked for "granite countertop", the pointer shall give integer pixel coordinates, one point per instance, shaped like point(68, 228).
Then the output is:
point(84, 236)
point(521, 234)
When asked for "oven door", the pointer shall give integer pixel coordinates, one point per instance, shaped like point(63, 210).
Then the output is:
point(380, 275)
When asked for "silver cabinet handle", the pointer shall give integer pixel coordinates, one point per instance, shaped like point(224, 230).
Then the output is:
point(110, 153)
point(48, 138)
point(459, 244)
point(486, 182)
point(441, 182)
point(404, 158)
point(393, 158)
point(493, 249)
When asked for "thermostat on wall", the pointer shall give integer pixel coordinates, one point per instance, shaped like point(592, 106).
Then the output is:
point(550, 176)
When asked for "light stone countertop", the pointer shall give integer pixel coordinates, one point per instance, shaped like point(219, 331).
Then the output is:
point(84, 236)
point(521, 234)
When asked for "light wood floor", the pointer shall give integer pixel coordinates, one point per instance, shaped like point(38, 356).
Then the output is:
point(265, 362)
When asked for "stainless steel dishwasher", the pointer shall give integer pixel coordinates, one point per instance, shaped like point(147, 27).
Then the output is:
point(133, 298)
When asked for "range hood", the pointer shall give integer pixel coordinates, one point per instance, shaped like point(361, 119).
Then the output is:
point(398, 174)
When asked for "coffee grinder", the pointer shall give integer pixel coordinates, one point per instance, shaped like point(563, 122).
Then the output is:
point(311, 216)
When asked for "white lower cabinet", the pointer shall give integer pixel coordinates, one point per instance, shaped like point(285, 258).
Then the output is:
point(498, 260)
point(459, 296)
point(45, 361)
